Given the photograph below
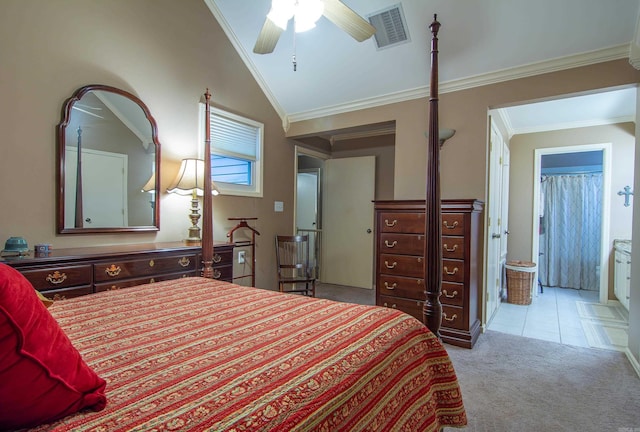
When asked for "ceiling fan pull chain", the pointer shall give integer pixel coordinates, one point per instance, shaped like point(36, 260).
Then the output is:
point(293, 57)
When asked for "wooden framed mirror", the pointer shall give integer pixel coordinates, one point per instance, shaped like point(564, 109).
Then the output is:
point(108, 175)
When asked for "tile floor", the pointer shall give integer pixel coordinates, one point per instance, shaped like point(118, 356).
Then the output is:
point(551, 316)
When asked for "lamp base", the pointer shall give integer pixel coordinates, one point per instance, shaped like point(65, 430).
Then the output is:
point(193, 242)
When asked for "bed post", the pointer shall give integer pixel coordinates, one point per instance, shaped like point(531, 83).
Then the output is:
point(207, 201)
point(432, 309)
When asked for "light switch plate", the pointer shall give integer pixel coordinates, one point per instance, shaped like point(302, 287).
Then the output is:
point(278, 206)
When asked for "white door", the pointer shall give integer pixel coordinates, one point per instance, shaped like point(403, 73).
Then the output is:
point(504, 210)
point(307, 211)
point(494, 230)
point(104, 192)
point(347, 221)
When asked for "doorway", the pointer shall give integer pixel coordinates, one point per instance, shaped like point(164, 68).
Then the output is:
point(574, 152)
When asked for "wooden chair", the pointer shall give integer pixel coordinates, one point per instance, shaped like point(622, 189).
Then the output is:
point(294, 268)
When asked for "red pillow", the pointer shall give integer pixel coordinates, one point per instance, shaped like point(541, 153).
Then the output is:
point(42, 375)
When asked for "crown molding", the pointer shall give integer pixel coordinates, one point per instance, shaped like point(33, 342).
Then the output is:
point(247, 61)
point(554, 65)
point(631, 51)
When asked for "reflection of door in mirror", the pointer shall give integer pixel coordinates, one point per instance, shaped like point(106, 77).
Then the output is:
point(118, 156)
point(105, 202)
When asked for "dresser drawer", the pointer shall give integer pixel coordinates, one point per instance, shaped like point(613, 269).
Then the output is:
point(144, 267)
point(406, 244)
point(115, 285)
point(398, 222)
point(222, 258)
point(67, 293)
point(454, 317)
point(452, 270)
point(412, 307)
point(412, 288)
point(452, 294)
point(402, 265)
point(59, 277)
point(223, 273)
point(452, 224)
point(453, 247)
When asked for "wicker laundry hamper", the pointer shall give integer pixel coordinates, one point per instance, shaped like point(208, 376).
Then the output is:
point(520, 276)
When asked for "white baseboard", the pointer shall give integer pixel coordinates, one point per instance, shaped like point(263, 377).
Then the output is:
point(633, 360)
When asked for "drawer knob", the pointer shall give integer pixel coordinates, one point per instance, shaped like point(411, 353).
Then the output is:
point(56, 278)
point(184, 262)
point(393, 306)
point(447, 295)
point(390, 287)
point(113, 270)
point(390, 224)
point(216, 274)
point(452, 226)
point(453, 317)
point(390, 245)
point(217, 258)
point(152, 263)
point(453, 249)
point(450, 273)
point(390, 266)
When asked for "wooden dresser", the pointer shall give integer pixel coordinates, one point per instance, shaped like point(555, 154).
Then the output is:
point(74, 272)
point(400, 241)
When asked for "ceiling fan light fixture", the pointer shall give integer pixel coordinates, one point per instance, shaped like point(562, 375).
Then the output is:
point(307, 13)
point(281, 12)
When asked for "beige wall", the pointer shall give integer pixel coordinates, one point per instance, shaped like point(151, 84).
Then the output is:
point(167, 53)
point(622, 139)
point(463, 157)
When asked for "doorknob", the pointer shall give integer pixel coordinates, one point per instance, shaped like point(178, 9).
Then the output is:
point(506, 232)
point(495, 235)
point(368, 230)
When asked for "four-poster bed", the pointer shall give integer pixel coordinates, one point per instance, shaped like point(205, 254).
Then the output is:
point(202, 354)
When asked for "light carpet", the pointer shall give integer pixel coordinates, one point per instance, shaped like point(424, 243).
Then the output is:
point(517, 384)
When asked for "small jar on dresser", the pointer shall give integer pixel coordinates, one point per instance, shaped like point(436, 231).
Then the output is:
point(400, 242)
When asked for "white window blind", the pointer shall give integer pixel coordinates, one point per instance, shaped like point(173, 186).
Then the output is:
point(233, 138)
point(236, 153)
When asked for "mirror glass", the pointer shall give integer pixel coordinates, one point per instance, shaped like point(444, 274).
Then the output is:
point(109, 160)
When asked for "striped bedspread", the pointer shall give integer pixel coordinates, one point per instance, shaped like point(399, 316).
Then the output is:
point(198, 354)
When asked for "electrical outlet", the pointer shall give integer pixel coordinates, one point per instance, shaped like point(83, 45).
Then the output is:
point(241, 256)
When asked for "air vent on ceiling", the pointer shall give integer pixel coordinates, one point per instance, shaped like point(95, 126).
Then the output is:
point(391, 27)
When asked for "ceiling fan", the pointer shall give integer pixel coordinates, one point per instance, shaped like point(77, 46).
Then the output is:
point(305, 13)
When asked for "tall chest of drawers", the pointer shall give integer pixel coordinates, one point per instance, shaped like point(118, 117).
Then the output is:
point(400, 242)
point(74, 272)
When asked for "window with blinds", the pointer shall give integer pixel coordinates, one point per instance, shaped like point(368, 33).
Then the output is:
point(236, 153)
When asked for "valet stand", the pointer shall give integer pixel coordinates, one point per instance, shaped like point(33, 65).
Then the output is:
point(241, 225)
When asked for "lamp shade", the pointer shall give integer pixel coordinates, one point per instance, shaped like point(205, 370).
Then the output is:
point(150, 185)
point(190, 178)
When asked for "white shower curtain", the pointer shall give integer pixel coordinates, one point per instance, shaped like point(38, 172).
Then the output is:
point(570, 231)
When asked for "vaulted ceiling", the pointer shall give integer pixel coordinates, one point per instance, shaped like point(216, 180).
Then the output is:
point(481, 42)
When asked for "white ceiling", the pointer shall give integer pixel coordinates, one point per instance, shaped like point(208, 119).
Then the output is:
point(480, 42)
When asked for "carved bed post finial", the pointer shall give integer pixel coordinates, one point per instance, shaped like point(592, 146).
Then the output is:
point(432, 310)
point(207, 211)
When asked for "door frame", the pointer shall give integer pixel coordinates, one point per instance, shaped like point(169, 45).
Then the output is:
point(298, 151)
point(606, 206)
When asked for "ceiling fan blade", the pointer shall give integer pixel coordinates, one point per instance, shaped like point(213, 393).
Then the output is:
point(349, 21)
point(268, 38)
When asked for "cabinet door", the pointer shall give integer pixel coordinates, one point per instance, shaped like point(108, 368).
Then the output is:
point(622, 278)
